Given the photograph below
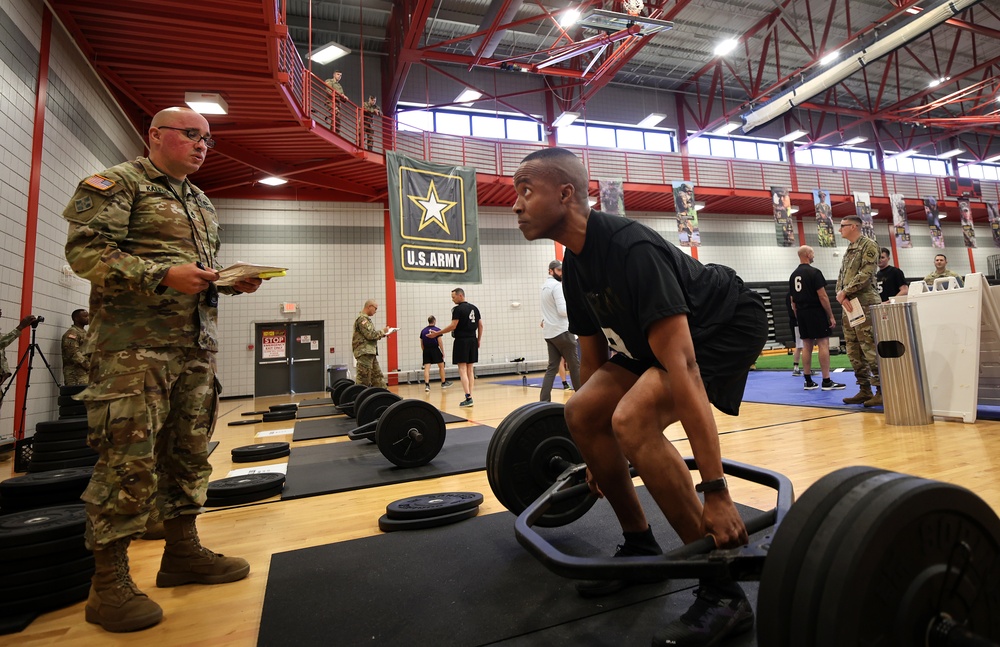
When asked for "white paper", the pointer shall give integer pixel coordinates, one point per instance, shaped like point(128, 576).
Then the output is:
point(314, 345)
point(278, 468)
point(856, 316)
point(274, 432)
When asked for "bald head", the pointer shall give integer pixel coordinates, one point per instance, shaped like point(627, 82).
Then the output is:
point(171, 149)
point(806, 254)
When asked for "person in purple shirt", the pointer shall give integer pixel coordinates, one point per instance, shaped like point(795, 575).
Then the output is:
point(433, 349)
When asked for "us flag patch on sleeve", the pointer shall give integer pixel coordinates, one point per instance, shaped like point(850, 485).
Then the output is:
point(99, 182)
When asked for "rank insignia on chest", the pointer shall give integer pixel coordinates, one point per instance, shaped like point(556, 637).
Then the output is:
point(83, 204)
point(99, 182)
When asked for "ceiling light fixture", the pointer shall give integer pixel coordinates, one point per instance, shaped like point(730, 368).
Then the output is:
point(795, 134)
point(952, 153)
point(902, 155)
point(829, 58)
point(274, 181)
point(569, 18)
point(726, 46)
point(794, 209)
point(699, 205)
point(652, 119)
point(206, 103)
point(328, 53)
point(855, 61)
point(565, 119)
point(726, 128)
point(854, 141)
point(467, 96)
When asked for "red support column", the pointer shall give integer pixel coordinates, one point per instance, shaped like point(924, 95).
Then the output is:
point(31, 220)
point(392, 344)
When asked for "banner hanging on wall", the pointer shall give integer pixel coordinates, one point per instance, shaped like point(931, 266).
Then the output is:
point(968, 232)
point(863, 209)
point(612, 196)
point(784, 230)
point(934, 222)
point(687, 214)
point(435, 221)
point(993, 214)
point(900, 225)
point(824, 219)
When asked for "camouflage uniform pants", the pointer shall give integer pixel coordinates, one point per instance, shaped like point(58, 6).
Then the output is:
point(369, 372)
point(861, 350)
point(151, 414)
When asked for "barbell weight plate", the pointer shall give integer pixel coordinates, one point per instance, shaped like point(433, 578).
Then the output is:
point(257, 458)
point(815, 565)
point(919, 549)
point(252, 421)
point(788, 548)
point(275, 416)
point(374, 406)
point(233, 486)
point(42, 525)
point(250, 497)
point(73, 479)
point(338, 382)
point(259, 448)
point(528, 453)
point(364, 395)
point(425, 506)
point(348, 398)
point(287, 406)
point(410, 433)
point(387, 524)
point(338, 391)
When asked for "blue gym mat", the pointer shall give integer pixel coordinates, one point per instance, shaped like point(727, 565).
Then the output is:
point(534, 382)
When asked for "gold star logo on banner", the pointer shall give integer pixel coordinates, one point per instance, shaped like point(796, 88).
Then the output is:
point(433, 208)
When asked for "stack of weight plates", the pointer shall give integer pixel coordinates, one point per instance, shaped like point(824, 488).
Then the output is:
point(260, 452)
point(68, 407)
point(44, 489)
point(430, 510)
point(44, 564)
point(248, 488)
point(61, 444)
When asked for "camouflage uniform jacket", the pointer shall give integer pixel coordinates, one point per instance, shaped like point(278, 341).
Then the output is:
point(857, 272)
point(5, 341)
point(929, 279)
point(338, 89)
point(127, 228)
point(76, 362)
point(365, 335)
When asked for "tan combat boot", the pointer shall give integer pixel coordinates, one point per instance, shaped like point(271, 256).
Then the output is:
point(154, 526)
point(186, 561)
point(875, 400)
point(861, 397)
point(115, 602)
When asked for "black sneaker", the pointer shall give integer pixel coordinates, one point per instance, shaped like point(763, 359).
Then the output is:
point(710, 620)
point(830, 385)
point(810, 385)
point(600, 588)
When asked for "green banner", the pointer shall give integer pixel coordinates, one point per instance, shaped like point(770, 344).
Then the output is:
point(435, 221)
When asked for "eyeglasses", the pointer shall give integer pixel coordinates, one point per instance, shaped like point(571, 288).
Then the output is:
point(194, 135)
point(847, 224)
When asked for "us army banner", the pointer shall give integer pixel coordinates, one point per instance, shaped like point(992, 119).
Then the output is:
point(824, 219)
point(900, 223)
point(688, 231)
point(863, 209)
point(435, 221)
point(784, 226)
point(993, 214)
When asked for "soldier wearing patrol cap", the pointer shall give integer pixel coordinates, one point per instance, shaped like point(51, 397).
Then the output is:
point(147, 239)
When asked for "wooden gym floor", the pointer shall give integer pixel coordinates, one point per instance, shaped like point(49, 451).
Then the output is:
point(802, 443)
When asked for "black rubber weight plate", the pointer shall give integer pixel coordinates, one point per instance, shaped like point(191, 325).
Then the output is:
point(45, 455)
point(15, 502)
point(62, 425)
point(338, 391)
point(374, 406)
point(67, 401)
point(425, 506)
point(71, 390)
point(60, 582)
point(53, 600)
point(42, 553)
point(288, 406)
point(245, 498)
point(44, 524)
point(44, 444)
point(79, 435)
point(275, 416)
point(246, 484)
point(256, 458)
point(386, 524)
point(410, 433)
point(237, 423)
point(46, 466)
point(54, 481)
point(47, 572)
point(247, 451)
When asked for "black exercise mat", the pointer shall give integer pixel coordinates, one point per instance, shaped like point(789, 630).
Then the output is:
point(211, 446)
point(333, 427)
point(469, 583)
point(315, 402)
point(353, 465)
point(316, 412)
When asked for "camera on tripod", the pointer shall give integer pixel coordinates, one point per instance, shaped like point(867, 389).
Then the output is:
point(38, 320)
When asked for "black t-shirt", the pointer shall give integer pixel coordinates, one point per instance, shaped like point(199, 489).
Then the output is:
point(889, 281)
point(468, 319)
point(803, 285)
point(627, 277)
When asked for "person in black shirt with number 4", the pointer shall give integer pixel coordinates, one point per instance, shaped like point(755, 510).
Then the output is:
point(811, 304)
point(684, 336)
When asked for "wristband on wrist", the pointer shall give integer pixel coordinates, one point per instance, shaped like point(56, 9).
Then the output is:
point(715, 485)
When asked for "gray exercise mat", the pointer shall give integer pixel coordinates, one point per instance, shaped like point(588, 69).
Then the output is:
point(318, 412)
point(315, 402)
point(353, 465)
point(340, 426)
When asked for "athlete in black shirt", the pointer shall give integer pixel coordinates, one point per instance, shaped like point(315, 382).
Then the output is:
point(685, 335)
point(891, 280)
point(467, 328)
point(807, 287)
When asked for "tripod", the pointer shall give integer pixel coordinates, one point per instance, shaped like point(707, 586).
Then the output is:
point(29, 356)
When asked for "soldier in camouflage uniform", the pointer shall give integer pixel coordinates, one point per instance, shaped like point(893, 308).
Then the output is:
point(857, 279)
point(76, 362)
point(941, 271)
point(338, 96)
point(147, 239)
point(363, 343)
point(8, 339)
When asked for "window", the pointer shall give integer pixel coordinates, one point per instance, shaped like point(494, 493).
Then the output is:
point(488, 127)
point(861, 160)
point(745, 150)
point(721, 147)
point(659, 142)
point(630, 139)
point(450, 123)
point(572, 135)
point(768, 152)
point(598, 136)
point(415, 120)
point(822, 157)
point(524, 130)
point(841, 158)
point(699, 146)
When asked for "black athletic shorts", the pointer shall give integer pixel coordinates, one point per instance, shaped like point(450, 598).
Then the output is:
point(433, 355)
point(725, 358)
point(465, 351)
point(813, 324)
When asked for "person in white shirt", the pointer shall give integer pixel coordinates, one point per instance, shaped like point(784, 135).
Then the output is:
point(560, 341)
